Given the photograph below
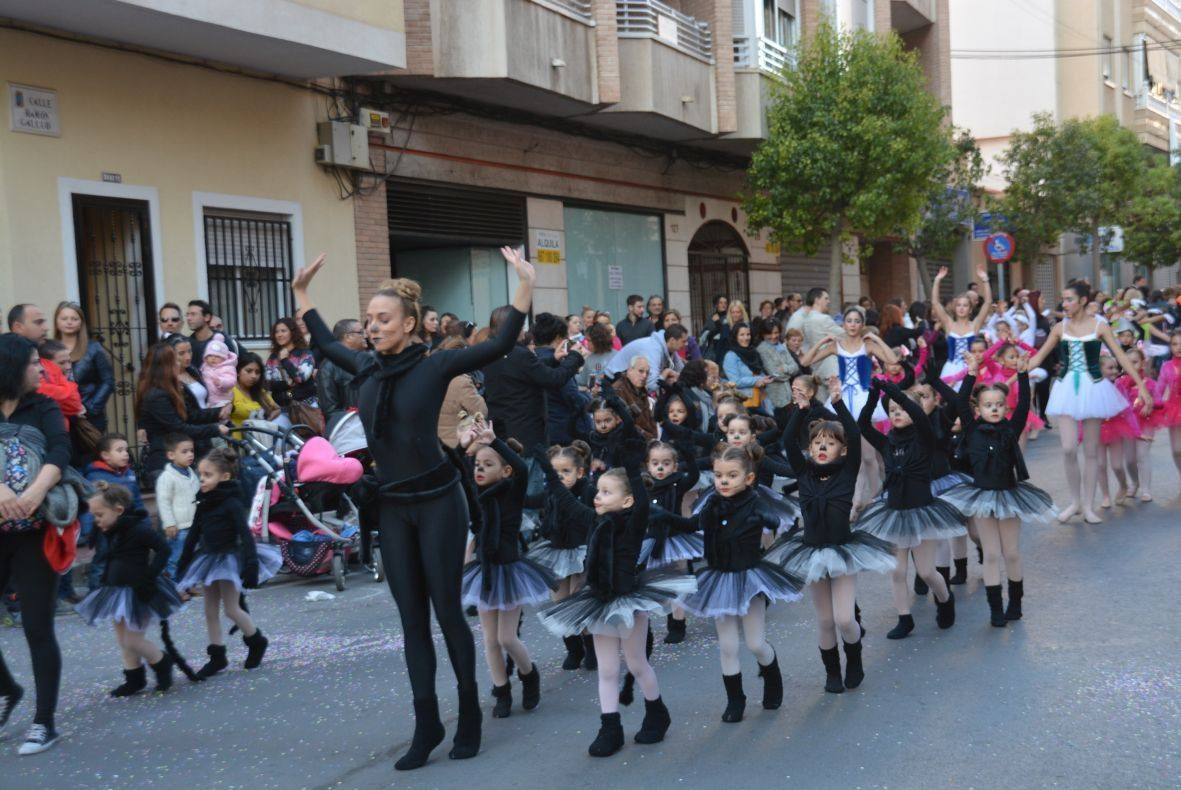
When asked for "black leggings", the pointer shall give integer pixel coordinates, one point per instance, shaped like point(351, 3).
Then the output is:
point(422, 548)
point(22, 559)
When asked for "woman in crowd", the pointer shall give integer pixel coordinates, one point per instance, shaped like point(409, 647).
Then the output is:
point(189, 375)
point(92, 370)
point(599, 339)
point(163, 405)
point(632, 389)
point(779, 364)
point(290, 373)
point(742, 364)
point(690, 351)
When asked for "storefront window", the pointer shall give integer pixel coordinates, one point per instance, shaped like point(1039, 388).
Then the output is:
point(609, 255)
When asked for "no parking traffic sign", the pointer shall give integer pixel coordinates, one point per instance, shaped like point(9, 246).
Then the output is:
point(999, 248)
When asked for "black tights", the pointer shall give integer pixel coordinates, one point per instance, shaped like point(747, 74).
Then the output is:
point(22, 559)
point(422, 549)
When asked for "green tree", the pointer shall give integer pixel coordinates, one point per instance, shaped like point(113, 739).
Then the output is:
point(1152, 221)
point(854, 139)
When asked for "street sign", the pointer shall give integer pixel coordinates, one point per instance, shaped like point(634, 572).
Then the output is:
point(999, 248)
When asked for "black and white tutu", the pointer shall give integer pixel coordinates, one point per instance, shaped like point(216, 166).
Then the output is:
point(655, 592)
point(677, 547)
point(1024, 501)
point(941, 484)
point(513, 584)
point(227, 566)
point(119, 604)
point(560, 562)
point(908, 527)
point(731, 592)
point(861, 552)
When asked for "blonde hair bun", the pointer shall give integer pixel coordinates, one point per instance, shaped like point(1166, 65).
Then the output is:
point(402, 287)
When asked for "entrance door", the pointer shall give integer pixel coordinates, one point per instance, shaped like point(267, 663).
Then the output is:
point(115, 278)
point(718, 266)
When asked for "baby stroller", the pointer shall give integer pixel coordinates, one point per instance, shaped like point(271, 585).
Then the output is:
point(300, 500)
point(347, 437)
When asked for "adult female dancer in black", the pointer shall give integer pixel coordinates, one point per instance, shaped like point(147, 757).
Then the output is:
point(423, 510)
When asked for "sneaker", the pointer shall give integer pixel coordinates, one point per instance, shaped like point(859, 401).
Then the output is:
point(38, 739)
point(8, 704)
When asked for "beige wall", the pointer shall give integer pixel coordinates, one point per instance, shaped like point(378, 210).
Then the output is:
point(168, 127)
point(379, 13)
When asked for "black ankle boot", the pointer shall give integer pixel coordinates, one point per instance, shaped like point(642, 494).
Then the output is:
point(428, 733)
point(920, 585)
point(610, 737)
point(857, 617)
point(832, 671)
point(903, 629)
point(163, 671)
point(256, 648)
point(591, 661)
point(627, 694)
point(504, 700)
point(530, 688)
point(574, 652)
point(772, 684)
point(995, 609)
point(467, 730)
point(216, 663)
point(854, 673)
point(979, 554)
point(945, 572)
point(676, 631)
point(1016, 591)
point(656, 722)
point(945, 612)
point(735, 699)
point(961, 571)
point(134, 681)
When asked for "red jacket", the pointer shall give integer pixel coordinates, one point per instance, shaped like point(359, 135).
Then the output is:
point(64, 392)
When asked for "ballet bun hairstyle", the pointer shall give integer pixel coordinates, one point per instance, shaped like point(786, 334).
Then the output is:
point(619, 474)
point(223, 460)
point(113, 495)
point(748, 457)
point(996, 386)
point(577, 452)
point(408, 293)
point(1080, 289)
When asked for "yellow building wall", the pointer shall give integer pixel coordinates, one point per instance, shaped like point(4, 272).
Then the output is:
point(180, 129)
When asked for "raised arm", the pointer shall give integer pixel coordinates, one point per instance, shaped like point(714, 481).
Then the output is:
point(1021, 411)
point(937, 310)
point(986, 295)
point(852, 435)
point(963, 402)
point(880, 350)
point(865, 419)
point(1051, 343)
point(922, 425)
point(822, 350)
point(516, 462)
point(795, 456)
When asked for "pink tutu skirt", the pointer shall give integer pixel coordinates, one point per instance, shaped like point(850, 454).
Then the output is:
point(1121, 426)
point(1033, 422)
point(1170, 415)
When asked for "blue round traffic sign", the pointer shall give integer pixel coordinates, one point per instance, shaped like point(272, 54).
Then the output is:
point(999, 247)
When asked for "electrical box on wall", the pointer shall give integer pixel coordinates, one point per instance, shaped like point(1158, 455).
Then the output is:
point(374, 120)
point(342, 145)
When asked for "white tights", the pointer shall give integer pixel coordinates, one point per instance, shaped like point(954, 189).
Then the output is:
point(1111, 456)
point(1000, 538)
point(924, 565)
point(135, 647)
point(224, 595)
point(835, 600)
point(1088, 480)
point(500, 637)
point(753, 628)
point(607, 653)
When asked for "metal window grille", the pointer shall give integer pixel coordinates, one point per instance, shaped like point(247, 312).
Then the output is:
point(248, 264)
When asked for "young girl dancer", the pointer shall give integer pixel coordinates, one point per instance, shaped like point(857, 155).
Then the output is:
point(565, 524)
point(961, 329)
point(1115, 435)
point(671, 472)
point(220, 554)
point(617, 600)
point(1146, 424)
point(134, 592)
point(827, 554)
point(948, 468)
point(738, 584)
point(909, 516)
point(998, 496)
point(1170, 388)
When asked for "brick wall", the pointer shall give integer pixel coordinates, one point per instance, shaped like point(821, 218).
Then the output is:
point(373, 242)
point(607, 51)
point(419, 49)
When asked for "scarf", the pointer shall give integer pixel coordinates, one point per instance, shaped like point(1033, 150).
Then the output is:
point(388, 370)
point(750, 357)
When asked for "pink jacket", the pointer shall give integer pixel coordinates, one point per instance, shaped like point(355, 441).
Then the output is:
point(220, 380)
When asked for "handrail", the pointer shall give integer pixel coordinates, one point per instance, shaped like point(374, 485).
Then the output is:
point(768, 56)
point(582, 10)
point(654, 19)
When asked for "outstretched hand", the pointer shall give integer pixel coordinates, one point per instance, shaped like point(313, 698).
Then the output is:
point(834, 389)
point(523, 268)
point(303, 277)
point(941, 273)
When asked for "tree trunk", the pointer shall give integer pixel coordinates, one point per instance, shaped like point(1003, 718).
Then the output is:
point(928, 284)
point(1096, 257)
point(834, 265)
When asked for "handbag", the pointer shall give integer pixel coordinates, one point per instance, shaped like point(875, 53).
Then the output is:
point(301, 413)
point(756, 398)
point(60, 546)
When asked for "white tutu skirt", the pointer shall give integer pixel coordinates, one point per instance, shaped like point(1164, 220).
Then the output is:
point(562, 563)
point(119, 605)
point(1078, 397)
point(731, 592)
point(655, 592)
point(861, 552)
point(678, 547)
point(908, 527)
point(514, 584)
point(227, 566)
point(1024, 501)
point(941, 484)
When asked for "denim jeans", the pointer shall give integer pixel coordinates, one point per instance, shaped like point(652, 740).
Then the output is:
point(175, 546)
point(94, 573)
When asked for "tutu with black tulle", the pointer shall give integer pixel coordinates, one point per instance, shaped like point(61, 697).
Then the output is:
point(677, 548)
point(562, 563)
point(513, 584)
point(655, 592)
point(908, 527)
point(731, 592)
point(120, 605)
point(861, 552)
point(941, 484)
point(1024, 501)
point(227, 567)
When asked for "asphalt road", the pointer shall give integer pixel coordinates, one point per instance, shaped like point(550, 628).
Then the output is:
point(1085, 691)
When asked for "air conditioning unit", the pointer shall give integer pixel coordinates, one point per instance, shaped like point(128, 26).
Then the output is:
point(342, 145)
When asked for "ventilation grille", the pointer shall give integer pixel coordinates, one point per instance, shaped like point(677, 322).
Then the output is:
point(445, 212)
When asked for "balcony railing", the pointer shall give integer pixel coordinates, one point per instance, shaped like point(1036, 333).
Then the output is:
point(581, 10)
point(1173, 7)
point(760, 53)
point(653, 19)
point(1161, 105)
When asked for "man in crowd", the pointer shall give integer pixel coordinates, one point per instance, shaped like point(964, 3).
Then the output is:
point(656, 311)
point(198, 316)
point(816, 324)
point(660, 349)
point(565, 405)
point(170, 319)
point(28, 321)
point(633, 326)
point(335, 395)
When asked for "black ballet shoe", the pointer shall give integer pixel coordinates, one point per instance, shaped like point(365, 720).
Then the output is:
point(772, 684)
point(467, 730)
point(163, 672)
point(134, 681)
point(995, 609)
point(961, 572)
point(832, 671)
point(920, 585)
point(854, 673)
point(530, 688)
point(1016, 592)
point(627, 694)
point(504, 700)
point(428, 733)
point(574, 652)
point(256, 648)
point(591, 662)
point(610, 737)
point(471, 611)
point(945, 612)
point(676, 631)
point(945, 572)
point(857, 617)
point(735, 699)
point(216, 663)
point(656, 722)
point(903, 629)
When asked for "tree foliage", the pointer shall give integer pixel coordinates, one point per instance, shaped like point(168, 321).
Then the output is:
point(1152, 220)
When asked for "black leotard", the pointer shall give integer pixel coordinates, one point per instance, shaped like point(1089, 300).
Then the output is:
point(991, 448)
point(905, 451)
point(826, 490)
